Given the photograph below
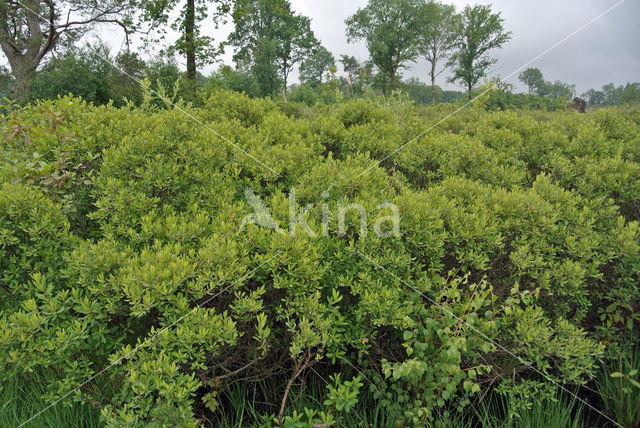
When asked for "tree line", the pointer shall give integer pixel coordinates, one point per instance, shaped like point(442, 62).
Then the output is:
point(269, 40)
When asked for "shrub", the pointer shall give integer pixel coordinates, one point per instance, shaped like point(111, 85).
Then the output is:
point(514, 265)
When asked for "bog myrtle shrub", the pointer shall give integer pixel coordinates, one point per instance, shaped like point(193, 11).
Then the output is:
point(160, 245)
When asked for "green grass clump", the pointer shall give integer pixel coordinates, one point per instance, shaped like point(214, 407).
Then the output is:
point(22, 399)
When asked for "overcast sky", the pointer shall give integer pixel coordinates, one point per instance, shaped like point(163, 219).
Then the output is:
point(608, 50)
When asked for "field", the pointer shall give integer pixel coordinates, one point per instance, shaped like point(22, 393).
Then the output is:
point(366, 263)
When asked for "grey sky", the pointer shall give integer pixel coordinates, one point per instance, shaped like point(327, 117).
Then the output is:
point(606, 51)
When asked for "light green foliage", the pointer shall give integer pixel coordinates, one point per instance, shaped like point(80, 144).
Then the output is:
point(34, 234)
point(344, 395)
point(515, 264)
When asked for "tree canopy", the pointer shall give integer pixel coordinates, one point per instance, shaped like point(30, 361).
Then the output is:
point(482, 31)
point(268, 34)
point(31, 29)
point(197, 48)
point(390, 30)
point(316, 65)
point(532, 79)
point(439, 30)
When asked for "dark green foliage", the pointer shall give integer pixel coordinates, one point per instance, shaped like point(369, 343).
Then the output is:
point(556, 91)
point(6, 83)
point(533, 79)
point(128, 71)
point(271, 39)
point(505, 100)
point(390, 29)
point(481, 32)
point(84, 72)
point(611, 95)
point(315, 68)
point(422, 93)
point(227, 78)
point(555, 412)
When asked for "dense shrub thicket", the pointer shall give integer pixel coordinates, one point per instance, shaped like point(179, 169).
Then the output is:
point(515, 267)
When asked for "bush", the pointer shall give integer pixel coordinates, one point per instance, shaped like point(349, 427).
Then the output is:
point(132, 240)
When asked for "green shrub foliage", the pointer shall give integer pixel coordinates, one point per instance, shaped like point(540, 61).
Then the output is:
point(124, 244)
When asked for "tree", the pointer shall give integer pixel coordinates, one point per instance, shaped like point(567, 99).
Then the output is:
point(198, 49)
point(532, 79)
point(630, 94)
point(420, 92)
point(31, 29)
point(271, 31)
point(316, 65)
point(440, 28)
point(235, 80)
point(265, 68)
point(390, 30)
point(482, 31)
point(6, 83)
point(130, 69)
point(612, 94)
point(594, 98)
point(84, 72)
point(557, 90)
point(351, 66)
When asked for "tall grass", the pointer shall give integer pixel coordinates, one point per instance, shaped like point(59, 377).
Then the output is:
point(242, 409)
point(21, 400)
point(245, 408)
point(563, 413)
point(621, 398)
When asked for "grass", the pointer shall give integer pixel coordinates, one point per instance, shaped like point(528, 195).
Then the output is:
point(563, 413)
point(246, 406)
point(21, 400)
point(242, 409)
point(620, 397)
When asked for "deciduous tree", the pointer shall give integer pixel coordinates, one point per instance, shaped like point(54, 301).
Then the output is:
point(482, 31)
point(532, 79)
point(390, 29)
point(273, 26)
point(316, 65)
point(439, 30)
point(31, 29)
point(197, 48)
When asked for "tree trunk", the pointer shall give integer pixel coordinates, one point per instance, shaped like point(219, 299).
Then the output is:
point(433, 82)
point(285, 77)
point(392, 81)
point(189, 37)
point(23, 72)
point(24, 58)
